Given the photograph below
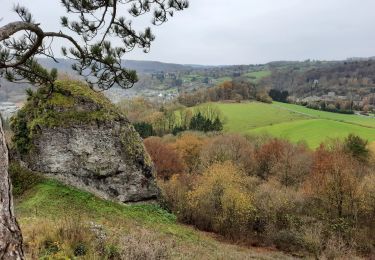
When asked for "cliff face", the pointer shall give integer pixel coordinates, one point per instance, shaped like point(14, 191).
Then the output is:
point(76, 136)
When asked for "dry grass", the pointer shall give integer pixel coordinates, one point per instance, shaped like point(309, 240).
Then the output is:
point(80, 238)
point(69, 237)
point(372, 149)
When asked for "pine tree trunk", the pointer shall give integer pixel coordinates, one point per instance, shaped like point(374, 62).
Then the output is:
point(10, 233)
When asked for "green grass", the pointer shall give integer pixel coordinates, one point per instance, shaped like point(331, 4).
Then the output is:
point(192, 78)
point(49, 197)
point(354, 119)
point(246, 116)
point(222, 79)
point(315, 131)
point(257, 75)
point(49, 201)
point(295, 123)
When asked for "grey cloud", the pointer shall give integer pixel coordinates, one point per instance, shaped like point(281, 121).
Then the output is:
point(247, 31)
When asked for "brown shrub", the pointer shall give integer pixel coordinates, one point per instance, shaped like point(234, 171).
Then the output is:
point(334, 182)
point(175, 195)
point(229, 147)
point(278, 207)
point(293, 165)
point(267, 156)
point(189, 146)
point(337, 248)
point(166, 160)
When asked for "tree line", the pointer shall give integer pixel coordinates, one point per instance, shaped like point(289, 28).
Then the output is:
point(236, 90)
point(158, 119)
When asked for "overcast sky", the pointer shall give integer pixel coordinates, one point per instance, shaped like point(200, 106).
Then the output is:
point(218, 32)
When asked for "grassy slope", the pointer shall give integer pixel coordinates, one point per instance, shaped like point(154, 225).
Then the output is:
point(50, 201)
point(257, 75)
point(294, 122)
point(315, 131)
point(246, 116)
point(354, 119)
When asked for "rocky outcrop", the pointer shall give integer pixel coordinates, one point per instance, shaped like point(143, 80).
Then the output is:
point(77, 136)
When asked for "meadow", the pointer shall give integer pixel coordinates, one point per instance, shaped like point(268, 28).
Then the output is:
point(257, 75)
point(293, 122)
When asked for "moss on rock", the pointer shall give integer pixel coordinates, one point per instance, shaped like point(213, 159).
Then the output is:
point(68, 103)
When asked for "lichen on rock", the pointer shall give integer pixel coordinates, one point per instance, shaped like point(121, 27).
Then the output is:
point(79, 137)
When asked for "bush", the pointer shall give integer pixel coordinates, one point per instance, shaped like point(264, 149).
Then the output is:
point(357, 147)
point(174, 195)
point(313, 239)
point(21, 133)
point(334, 182)
point(267, 156)
point(279, 208)
point(278, 95)
point(167, 161)
point(189, 146)
point(220, 202)
point(336, 248)
point(22, 179)
point(287, 240)
point(262, 96)
point(292, 165)
point(144, 129)
point(50, 247)
point(80, 249)
point(229, 147)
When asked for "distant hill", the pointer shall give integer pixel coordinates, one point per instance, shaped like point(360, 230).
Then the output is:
point(354, 75)
point(139, 66)
point(15, 92)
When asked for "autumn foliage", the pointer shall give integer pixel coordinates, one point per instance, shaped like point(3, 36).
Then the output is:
point(166, 160)
point(271, 192)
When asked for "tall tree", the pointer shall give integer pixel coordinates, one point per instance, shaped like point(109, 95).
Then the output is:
point(87, 30)
point(10, 235)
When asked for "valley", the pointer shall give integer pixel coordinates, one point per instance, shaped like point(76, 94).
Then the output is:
point(254, 139)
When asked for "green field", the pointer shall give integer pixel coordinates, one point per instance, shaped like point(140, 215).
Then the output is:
point(222, 79)
point(247, 116)
point(257, 75)
point(354, 119)
point(294, 123)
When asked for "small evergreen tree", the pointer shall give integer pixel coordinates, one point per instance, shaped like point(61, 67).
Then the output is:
point(200, 123)
point(357, 147)
point(217, 125)
point(178, 129)
point(144, 129)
